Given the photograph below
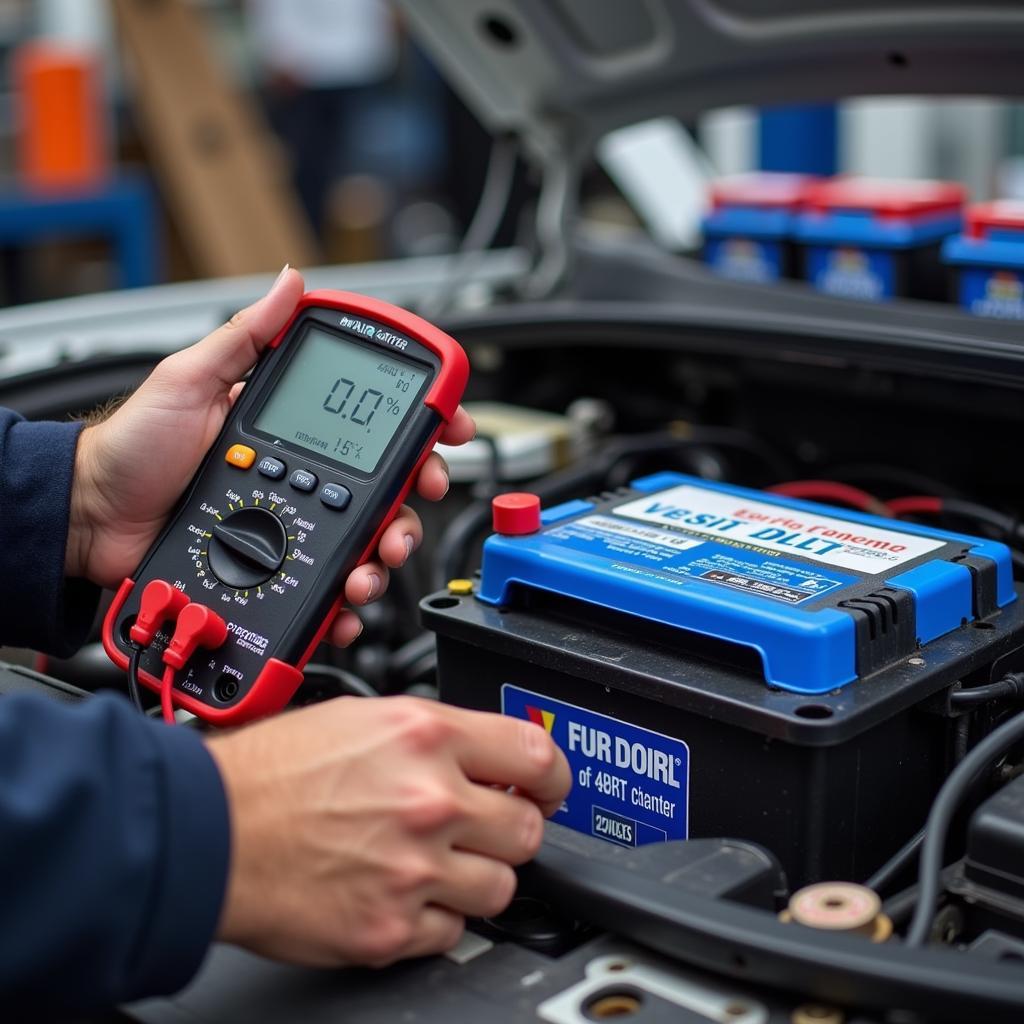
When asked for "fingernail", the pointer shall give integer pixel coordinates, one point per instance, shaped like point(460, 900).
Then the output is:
point(447, 472)
point(409, 545)
point(359, 632)
point(374, 583)
point(280, 277)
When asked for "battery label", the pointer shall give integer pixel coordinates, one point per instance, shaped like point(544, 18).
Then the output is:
point(744, 259)
point(630, 785)
point(996, 293)
point(852, 273)
point(635, 548)
point(738, 520)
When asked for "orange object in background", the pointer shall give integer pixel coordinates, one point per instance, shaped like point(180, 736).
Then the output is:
point(61, 134)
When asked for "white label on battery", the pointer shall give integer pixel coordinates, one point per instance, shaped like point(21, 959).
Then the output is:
point(738, 520)
point(676, 541)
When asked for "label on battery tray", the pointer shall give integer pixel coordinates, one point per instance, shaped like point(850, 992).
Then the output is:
point(821, 538)
point(629, 785)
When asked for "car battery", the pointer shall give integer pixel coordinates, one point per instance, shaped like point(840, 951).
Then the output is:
point(872, 239)
point(719, 662)
point(989, 259)
point(748, 235)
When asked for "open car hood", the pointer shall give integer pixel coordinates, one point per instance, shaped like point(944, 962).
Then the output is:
point(561, 73)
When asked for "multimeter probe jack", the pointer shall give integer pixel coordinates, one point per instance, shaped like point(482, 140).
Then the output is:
point(313, 462)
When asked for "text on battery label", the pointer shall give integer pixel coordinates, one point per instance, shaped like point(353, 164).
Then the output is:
point(638, 758)
point(822, 538)
point(664, 538)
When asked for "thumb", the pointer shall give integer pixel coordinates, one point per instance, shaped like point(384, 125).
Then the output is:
point(226, 355)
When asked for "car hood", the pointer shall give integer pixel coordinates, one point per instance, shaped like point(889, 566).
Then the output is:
point(564, 72)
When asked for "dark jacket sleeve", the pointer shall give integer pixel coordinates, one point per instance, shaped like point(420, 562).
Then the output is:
point(114, 847)
point(38, 608)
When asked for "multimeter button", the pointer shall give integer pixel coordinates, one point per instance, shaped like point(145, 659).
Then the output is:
point(335, 496)
point(274, 468)
point(241, 456)
point(303, 481)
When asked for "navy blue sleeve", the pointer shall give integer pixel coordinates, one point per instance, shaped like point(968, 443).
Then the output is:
point(114, 847)
point(43, 610)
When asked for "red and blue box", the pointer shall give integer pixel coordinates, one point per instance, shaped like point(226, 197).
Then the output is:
point(748, 236)
point(989, 258)
point(876, 239)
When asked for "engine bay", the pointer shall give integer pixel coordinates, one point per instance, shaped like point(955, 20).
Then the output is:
point(834, 787)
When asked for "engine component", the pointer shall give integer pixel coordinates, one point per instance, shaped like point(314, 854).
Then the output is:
point(988, 883)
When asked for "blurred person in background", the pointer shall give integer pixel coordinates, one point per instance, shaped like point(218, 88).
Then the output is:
point(322, 62)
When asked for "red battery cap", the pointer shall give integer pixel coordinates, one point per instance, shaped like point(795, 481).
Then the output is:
point(516, 514)
point(885, 197)
point(761, 189)
point(1000, 213)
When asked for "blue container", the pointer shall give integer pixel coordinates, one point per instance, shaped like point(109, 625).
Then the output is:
point(989, 258)
point(748, 234)
point(875, 240)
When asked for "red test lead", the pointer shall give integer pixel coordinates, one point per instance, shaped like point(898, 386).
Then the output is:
point(160, 602)
point(198, 626)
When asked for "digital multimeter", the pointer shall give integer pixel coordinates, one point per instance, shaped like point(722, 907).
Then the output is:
point(314, 460)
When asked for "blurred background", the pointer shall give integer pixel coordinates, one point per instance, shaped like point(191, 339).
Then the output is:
point(191, 139)
point(220, 137)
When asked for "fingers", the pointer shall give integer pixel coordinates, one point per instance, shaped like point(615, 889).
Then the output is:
point(366, 583)
point(474, 886)
point(495, 749)
point(460, 430)
point(401, 538)
point(345, 629)
point(436, 931)
point(222, 358)
point(500, 825)
point(433, 482)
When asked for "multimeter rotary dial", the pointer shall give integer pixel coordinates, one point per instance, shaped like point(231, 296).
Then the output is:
point(247, 548)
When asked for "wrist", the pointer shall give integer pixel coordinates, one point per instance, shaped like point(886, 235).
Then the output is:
point(239, 914)
point(81, 518)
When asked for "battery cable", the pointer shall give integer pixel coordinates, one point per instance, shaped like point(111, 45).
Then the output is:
point(832, 491)
point(940, 817)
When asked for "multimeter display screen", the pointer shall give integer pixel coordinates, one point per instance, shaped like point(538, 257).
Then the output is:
point(341, 400)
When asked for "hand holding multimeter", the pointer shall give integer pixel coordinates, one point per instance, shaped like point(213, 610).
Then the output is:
point(296, 489)
point(360, 831)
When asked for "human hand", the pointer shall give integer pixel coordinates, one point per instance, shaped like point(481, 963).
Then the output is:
point(364, 830)
point(131, 468)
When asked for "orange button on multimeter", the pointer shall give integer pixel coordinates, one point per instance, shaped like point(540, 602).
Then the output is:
point(240, 455)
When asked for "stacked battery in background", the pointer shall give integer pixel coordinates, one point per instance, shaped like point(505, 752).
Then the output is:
point(989, 260)
point(748, 236)
point(873, 239)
